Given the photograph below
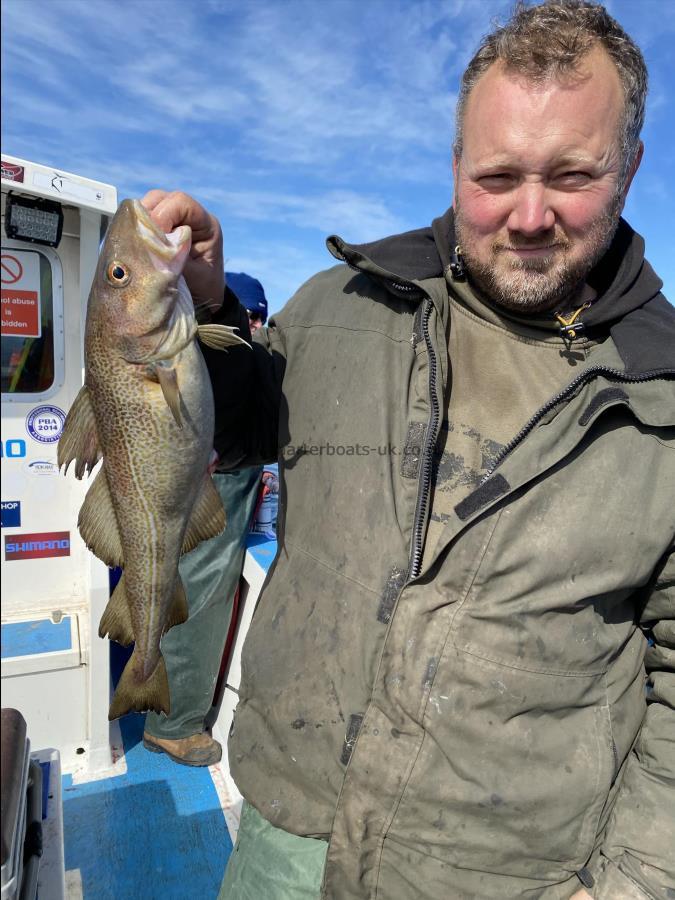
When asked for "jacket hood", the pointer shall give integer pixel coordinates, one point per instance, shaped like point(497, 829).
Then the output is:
point(629, 302)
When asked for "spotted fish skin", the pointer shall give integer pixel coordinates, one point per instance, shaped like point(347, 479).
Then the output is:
point(147, 409)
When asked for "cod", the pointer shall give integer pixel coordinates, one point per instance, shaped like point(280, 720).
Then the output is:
point(146, 409)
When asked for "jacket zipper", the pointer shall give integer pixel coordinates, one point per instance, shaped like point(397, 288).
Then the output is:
point(424, 489)
point(427, 455)
point(589, 373)
point(615, 756)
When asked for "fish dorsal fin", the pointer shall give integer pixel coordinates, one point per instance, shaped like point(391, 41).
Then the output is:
point(219, 337)
point(178, 611)
point(208, 516)
point(98, 524)
point(168, 381)
point(116, 619)
point(79, 440)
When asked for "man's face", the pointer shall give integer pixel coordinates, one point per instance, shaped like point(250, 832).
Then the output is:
point(255, 322)
point(537, 193)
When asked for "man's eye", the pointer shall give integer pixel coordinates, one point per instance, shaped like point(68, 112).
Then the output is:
point(573, 179)
point(499, 181)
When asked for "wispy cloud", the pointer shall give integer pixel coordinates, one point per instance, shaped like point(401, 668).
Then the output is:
point(364, 217)
point(289, 118)
point(296, 87)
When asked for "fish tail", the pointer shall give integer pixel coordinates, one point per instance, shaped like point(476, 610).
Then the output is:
point(116, 618)
point(134, 692)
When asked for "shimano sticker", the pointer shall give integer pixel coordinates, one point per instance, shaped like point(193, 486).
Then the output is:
point(37, 546)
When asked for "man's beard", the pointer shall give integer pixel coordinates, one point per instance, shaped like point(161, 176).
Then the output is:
point(542, 283)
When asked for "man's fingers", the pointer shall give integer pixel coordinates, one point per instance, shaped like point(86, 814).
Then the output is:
point(169, 209)
point(152, 198)
point(173, 209)
point(204, 269)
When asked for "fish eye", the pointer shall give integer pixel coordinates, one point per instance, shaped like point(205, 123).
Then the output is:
point(118, 274)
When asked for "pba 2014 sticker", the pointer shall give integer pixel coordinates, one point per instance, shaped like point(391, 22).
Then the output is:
point(45, 424)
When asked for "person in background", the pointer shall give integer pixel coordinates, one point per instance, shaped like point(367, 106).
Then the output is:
point(210, 574)
point(251, 296)
point(459, 680)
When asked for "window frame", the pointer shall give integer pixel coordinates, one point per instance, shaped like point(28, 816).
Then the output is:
point(58, 330)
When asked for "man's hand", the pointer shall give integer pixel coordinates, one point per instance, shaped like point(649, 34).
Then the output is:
point(204, 269)
point(581, 894)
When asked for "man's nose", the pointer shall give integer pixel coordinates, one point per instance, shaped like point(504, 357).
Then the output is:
point(531, 212)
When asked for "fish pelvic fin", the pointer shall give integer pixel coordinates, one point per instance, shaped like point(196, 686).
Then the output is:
point(139, 694)
point(79, 441)
point(208, 516)
point(220, 337)
point(178, 611)
point(97, 522)
point(168, 381)
point(116, 619)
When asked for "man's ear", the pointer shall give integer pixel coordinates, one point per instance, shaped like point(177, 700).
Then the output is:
point(631, 172)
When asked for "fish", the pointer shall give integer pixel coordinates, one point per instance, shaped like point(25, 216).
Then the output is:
point(146, 412)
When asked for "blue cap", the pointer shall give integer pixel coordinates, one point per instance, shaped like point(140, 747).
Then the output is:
point(249, 292)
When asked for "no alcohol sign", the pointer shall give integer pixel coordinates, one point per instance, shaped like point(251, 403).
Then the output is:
point(20, 278)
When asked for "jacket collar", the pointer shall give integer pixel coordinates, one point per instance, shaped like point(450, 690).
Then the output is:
point(629, 307)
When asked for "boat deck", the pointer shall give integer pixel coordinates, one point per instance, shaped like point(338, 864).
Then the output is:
point(147, 827)
point(155, 831)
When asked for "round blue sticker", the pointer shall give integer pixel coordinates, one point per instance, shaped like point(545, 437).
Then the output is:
point(45, 423)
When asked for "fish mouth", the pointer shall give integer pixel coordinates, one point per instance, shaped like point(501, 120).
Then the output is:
point(167, 252)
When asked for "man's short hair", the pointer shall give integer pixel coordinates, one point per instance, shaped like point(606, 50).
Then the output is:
point(549, 41)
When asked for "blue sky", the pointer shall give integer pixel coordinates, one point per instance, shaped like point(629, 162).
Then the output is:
point(289, 119)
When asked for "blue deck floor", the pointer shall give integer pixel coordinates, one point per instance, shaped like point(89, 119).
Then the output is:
point(156, 832)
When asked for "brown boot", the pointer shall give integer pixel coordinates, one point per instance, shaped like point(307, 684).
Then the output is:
point(196, 750)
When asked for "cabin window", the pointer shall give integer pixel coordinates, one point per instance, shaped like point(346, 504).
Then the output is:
point(31, 320)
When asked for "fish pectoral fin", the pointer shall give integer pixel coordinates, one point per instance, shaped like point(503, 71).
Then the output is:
point(97, 522)
point(134, 692)
point(79, 440)
point(208, 516)
point(168, 381)
point(116, 618)
point(219, 337)
point(178, 611)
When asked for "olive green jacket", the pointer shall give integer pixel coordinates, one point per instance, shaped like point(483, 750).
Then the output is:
point(499, 724)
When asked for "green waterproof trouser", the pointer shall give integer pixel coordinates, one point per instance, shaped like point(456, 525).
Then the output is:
point(210, 575)
point(270, 864)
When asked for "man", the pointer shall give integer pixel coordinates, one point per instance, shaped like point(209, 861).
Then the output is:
point(210, 574)
point(458, 681)
point(251, 296)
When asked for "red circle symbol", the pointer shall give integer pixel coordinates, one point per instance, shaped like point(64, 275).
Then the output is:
point(11, 269)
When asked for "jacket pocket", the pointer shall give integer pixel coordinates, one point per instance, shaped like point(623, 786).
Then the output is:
point(523, 775)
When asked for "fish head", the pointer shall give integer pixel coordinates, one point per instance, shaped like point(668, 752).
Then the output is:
point(138, 282)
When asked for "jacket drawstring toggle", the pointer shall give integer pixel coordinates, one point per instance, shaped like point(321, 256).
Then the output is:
point(570, 328)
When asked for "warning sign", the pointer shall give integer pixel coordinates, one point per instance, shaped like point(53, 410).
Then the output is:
point(20, 278)
point(12, 172)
